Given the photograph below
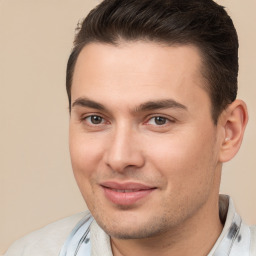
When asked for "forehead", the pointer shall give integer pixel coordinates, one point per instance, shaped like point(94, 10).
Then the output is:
point(133, 71)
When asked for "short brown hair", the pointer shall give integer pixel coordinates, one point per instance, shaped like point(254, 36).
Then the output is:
point(202, 23)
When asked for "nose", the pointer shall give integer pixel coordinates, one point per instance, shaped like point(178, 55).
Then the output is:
point(124, 151)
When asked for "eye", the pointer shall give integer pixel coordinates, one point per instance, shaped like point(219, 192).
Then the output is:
point(94, 119)
point(158, 120)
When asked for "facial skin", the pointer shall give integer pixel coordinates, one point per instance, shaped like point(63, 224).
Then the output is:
point(170, 149)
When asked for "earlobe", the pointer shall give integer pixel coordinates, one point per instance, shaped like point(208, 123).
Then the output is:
point(234, 123)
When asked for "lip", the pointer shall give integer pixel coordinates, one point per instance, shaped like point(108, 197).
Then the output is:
point(126, 193)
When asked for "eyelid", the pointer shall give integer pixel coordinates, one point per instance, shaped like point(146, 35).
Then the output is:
point(168, 118)
point(88, 115)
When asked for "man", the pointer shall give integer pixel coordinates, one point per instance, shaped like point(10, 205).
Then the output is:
point(153, 116)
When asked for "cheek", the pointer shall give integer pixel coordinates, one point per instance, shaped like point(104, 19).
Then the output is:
point(85, 155)
point(183, 159)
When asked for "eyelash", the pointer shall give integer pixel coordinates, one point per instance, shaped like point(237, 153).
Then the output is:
point(84, 119)
point(165, 119)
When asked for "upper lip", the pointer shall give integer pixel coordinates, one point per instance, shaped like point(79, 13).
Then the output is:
point(126, 185)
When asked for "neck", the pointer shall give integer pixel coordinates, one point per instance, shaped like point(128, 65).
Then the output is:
point(195, 236)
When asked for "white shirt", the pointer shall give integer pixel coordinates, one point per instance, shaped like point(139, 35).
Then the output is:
point(236, 239)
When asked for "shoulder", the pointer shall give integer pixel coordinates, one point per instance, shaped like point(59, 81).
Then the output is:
point(253, 241)
point(46, 241)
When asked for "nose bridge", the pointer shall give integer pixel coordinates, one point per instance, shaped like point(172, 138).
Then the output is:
point(123, 150)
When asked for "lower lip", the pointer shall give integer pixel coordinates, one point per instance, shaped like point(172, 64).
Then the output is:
point(126, 198)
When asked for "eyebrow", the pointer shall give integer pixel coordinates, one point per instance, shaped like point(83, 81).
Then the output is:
point(147, 106)
point(85, 102)
point(160, 104)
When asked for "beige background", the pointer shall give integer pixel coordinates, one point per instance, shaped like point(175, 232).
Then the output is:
point(36, 181)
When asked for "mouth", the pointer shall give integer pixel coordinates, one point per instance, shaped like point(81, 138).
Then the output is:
point(124, 190)
point(126, 193)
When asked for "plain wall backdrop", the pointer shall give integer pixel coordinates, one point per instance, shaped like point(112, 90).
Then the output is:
point(36, 180)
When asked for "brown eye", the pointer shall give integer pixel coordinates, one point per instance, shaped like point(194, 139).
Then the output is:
point(159, 120)
point(95, 119)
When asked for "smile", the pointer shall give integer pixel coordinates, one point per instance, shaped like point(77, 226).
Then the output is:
point(127, 193)
point(124, 190)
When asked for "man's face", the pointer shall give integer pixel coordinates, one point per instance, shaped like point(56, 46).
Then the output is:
point(144, 149)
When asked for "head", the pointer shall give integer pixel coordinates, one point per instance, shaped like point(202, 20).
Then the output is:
point(201, 23)
point(152, 88)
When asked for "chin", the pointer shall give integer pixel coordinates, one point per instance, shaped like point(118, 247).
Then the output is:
point(132, 234)
point(133, 228)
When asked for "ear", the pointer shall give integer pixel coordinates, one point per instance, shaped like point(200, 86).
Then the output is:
point(233, 120)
